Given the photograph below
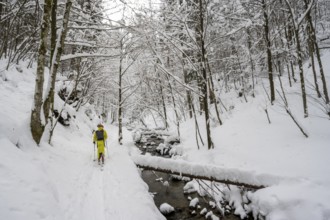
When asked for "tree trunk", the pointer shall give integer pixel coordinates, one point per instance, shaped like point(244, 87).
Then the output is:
point(174, 107)
point(269, 54)
point(311, 48)
point(188, 95)
point(289, 76)
point(205, 78)
point(53, 29)
point(301, 73)
point(37, 123)
point(249, 42)
point(311, 55)
point(53, 39)
point(213, 96)
point(200, 88)
point(317, 51)
point(163, 101)
point(288, 37)
point(120, 125)
point(299, 58)
point(58, 50)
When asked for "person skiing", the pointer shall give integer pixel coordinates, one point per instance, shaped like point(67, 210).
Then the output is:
point(100, 136)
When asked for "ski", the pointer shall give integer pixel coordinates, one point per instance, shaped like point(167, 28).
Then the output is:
point(99, 164)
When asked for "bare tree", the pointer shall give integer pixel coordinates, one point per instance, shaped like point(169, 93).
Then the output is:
point(37, 121)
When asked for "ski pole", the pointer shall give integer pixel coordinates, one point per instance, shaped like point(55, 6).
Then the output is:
point(94, 151)
point(106, 145)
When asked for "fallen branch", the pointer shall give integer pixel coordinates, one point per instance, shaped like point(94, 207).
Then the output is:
point(296, 122)
point(237, 177)
point(287, 109)
point(202, 177)
point(267, 115)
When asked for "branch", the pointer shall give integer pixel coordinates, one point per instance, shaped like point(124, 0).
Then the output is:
point(213, 173)
point(309, 8)
point(88, 55)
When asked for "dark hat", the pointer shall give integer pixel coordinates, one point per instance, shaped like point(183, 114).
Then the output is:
point(100, 125)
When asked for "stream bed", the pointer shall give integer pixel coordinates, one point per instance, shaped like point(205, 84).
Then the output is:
point(167, 188)
point(174, 196)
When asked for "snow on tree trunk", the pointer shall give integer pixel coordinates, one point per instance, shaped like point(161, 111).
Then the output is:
point(299, 57)
point(49, 101)
point(37, 123)
point(205, 77)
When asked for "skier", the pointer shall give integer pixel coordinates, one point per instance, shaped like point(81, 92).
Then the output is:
point(100, 136)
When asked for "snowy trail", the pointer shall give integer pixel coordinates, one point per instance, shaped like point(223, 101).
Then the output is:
point(120, 190)
point(116, 192)
point(91, 204)
point(91, 194)
point(86, 194)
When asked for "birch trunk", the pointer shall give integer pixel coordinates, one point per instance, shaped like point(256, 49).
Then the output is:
point(48, 106)
point(37, 123)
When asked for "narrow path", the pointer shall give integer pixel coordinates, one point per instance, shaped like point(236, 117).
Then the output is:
point(85, 201)
point(116, 192)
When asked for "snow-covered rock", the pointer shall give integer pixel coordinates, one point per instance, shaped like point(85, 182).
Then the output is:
point(194, 202)
point(211, 216)
point(137, 135)
point(166, 208)
point(203, 211)
point(189, 187)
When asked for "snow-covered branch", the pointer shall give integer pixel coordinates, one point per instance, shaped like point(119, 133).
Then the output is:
point(203, 171)
point(87, 55)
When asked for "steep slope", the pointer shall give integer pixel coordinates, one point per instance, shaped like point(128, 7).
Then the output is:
point(62, 181)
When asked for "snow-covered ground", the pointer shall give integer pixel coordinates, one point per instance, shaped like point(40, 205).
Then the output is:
point(62, 181)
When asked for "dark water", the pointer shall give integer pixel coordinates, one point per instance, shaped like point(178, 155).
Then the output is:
point(174, 194)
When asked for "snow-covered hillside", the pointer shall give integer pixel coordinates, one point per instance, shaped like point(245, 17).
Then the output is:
point(62, 181)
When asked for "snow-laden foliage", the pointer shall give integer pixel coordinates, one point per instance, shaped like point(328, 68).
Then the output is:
point(246, 79)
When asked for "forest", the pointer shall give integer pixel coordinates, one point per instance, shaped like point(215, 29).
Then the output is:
point(181, 55)
point(201, 70)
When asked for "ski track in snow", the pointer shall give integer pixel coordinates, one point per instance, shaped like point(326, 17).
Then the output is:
point(99, 194)
point(91, 193)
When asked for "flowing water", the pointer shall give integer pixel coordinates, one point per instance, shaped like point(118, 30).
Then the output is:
point(173, 193)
